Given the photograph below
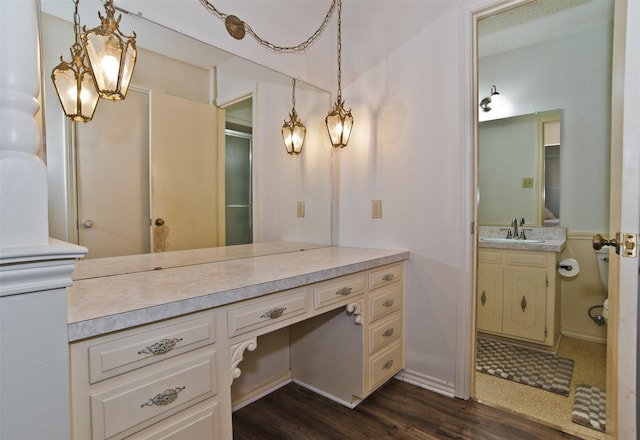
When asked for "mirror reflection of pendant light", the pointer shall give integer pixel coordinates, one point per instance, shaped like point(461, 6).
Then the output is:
point(293, 131)
point(74, 81)
point(112, 55)
point(492, 101)
point(339, 121)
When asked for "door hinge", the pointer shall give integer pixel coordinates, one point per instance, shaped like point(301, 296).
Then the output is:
point(629, 245)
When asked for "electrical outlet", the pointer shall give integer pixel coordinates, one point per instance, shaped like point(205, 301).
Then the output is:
point(527, 182)
point(300, 211)
point(376, 209)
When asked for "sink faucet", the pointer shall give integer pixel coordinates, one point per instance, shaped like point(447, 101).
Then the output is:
point(514, 228)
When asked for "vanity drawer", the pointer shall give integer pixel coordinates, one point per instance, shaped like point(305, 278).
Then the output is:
point(385, 301)
point(336, 291)
point(385, 332)
point(198, 422)
point(131, 405)
point(149, 345)
point(386, 275)
point(528, 259)
point(261, 314)
point(384, 365)
point(489, 256)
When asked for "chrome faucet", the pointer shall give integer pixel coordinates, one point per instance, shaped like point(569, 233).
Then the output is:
point(514, 228)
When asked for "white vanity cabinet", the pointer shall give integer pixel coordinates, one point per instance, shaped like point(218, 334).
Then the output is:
point(157, 381)
point(516, 295)
point(170, 378)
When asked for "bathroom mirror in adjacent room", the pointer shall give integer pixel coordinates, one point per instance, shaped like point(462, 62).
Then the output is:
point(519, 169)
point(104, 175)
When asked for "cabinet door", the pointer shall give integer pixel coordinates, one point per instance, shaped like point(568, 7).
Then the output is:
point(525, 303)
point(489, 298)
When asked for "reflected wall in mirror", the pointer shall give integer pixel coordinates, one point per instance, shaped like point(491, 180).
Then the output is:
point(519, 169)
point(115, 183)
point(556, 55)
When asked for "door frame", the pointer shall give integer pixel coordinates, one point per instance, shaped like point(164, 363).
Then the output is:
point(621, 362)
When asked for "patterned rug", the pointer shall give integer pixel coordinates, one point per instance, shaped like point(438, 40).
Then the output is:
point(530, 367)
point(589, 407)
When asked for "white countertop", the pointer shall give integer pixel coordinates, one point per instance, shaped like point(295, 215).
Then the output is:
point(103, 304)
point(554, 239)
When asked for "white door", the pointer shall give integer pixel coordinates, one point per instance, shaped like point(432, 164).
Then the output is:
point(624, 218)
point(184, 163)
point(112, 172)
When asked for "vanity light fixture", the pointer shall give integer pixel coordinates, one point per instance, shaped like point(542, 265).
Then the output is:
point(339, 121)
point(74, 82)
point(293, 130)
point(112, 55)
point(490, 101)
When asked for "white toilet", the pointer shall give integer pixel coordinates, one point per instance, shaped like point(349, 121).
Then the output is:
point(603, 270)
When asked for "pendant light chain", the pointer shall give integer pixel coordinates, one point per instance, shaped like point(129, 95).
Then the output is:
point(76, 21)
point(293, 94)
point(339, 50)
point(233, 23)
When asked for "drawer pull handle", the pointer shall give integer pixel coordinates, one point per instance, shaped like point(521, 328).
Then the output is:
point(164, 398)
point(388, 332)
point(523, 303)
point(161, 347)
point(387, 365)
point(274, 313)
point(388, 277)
point(344, 291)
point(483, 298)
point(388, 303)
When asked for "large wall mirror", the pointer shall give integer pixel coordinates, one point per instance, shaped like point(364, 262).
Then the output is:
point(192, 153)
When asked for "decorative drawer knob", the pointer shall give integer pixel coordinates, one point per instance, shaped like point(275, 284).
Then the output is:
point(388, 332)
point(388, 303)
point(161, 347)
point(387, 365)
point(344, 291)
point(523, 303)
point(388, 277)
point(483, 297)
point(164, 398)
point(274, 313)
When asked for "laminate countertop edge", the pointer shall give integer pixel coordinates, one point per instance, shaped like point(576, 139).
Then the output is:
point(99, 306)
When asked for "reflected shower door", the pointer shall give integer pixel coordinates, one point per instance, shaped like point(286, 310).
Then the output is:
point(238, 183)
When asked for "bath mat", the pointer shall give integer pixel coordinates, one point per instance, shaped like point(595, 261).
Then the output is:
point(589, 407)
point(529, 367)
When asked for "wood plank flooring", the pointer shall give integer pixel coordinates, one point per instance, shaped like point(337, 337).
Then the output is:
point(396, 411)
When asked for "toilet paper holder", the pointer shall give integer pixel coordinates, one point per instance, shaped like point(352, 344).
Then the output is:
point(559, 265)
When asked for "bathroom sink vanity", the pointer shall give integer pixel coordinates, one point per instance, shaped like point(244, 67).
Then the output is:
point(154, 352)
point(517, 293)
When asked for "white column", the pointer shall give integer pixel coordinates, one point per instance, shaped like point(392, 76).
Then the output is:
point(34, 270)
point(23, 175)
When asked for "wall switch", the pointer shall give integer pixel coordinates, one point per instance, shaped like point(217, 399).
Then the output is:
point(527, 182)
point(300, 211)
point(376, 209)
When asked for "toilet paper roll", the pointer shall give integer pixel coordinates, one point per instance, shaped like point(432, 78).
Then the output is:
point(569, 267)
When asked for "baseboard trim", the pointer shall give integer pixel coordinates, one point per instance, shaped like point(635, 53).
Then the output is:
point(584, 337)
point(259, 390)
point(427, 382)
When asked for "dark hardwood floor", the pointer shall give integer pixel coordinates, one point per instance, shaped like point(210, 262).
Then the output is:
point(396, 411)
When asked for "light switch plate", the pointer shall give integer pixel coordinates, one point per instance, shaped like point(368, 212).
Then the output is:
point(527, 182)
point(300, 211)
point(376, 209)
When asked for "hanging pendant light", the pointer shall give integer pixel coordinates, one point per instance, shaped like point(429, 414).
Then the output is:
point(339, 121)
point(293, 130)
point(74, 82)
point(112, 55)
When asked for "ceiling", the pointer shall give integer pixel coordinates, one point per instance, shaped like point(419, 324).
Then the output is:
point(371, 29)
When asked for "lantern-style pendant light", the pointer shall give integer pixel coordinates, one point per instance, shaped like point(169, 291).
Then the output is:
point(293, 131)
point(74, 81)
point(339, 121)
point(112, 55)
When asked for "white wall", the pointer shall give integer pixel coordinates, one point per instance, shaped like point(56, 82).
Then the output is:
point(406, 151)
point(573, 74)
